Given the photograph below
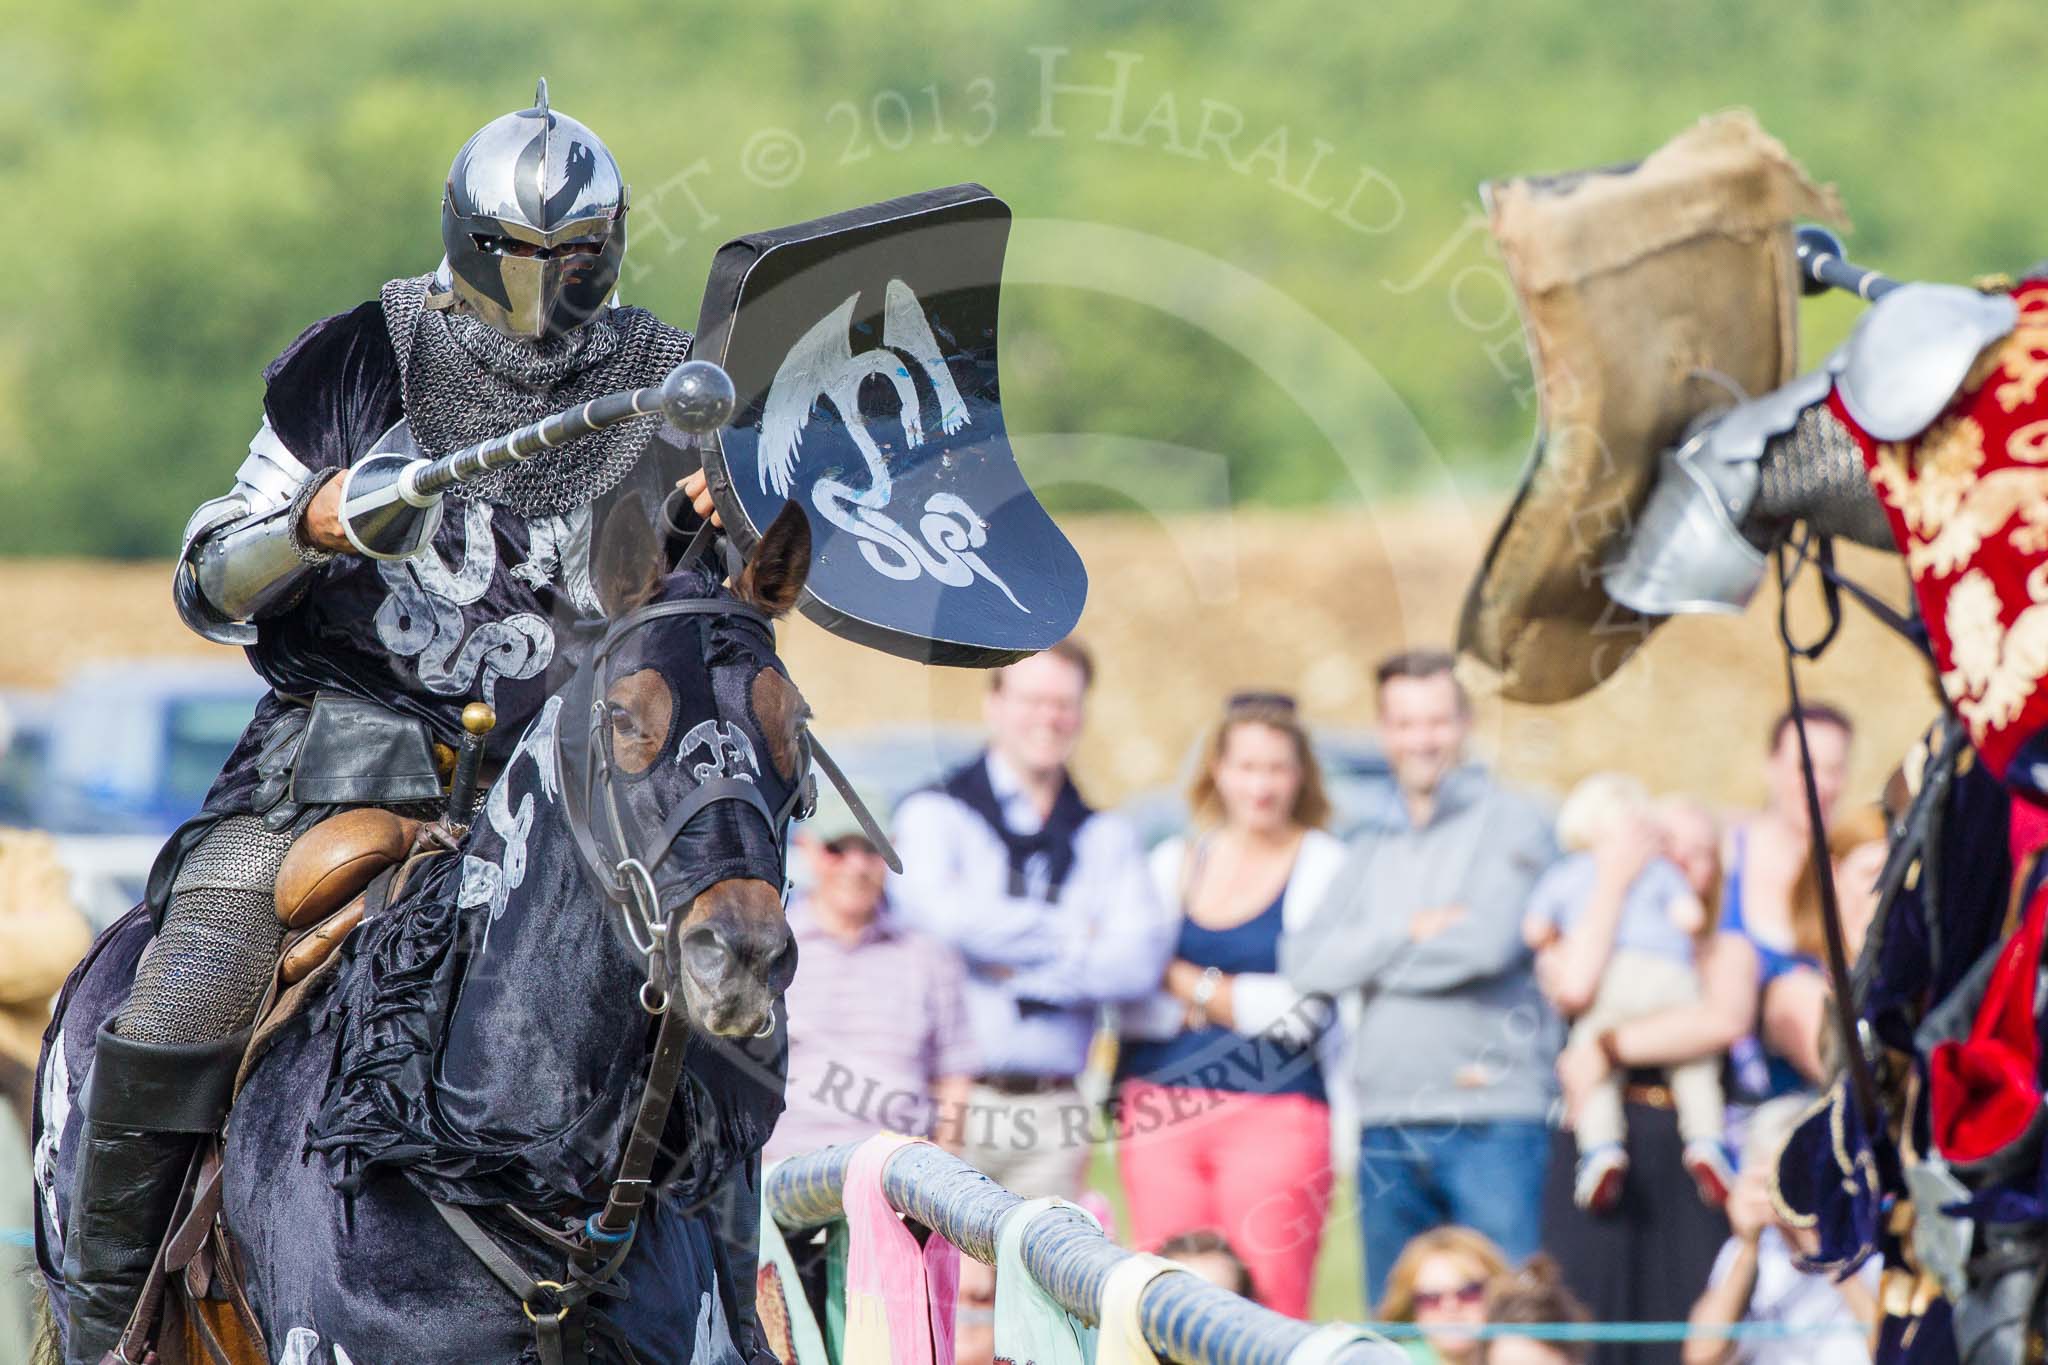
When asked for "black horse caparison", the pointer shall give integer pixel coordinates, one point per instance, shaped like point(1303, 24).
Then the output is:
point(484, 1041)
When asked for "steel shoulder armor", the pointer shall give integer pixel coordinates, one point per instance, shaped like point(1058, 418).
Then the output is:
point(243, 558)
point(1734, 487)
point(1911, 352)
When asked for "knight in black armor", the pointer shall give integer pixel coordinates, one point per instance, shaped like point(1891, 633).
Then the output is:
point(371, 661)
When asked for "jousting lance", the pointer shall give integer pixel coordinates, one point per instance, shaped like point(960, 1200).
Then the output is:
point(391, 503)
point(1822, 268)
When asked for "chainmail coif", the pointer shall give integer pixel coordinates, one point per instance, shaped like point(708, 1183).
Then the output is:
point(465, 381)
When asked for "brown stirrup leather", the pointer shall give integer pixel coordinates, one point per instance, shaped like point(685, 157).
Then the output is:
point(306, 951)
point(333, 861)
point(312, 948)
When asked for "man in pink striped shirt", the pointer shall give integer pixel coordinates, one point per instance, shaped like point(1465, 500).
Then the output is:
point(878, 1031)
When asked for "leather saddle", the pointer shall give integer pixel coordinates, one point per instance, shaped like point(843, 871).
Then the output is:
point(344, 869)
point(347, 867)
point(322, 885)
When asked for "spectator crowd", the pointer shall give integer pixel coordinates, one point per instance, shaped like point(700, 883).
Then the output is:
point(1541, 1035)
point(1534, 1039)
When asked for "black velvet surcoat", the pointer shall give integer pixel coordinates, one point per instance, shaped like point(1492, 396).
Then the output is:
point(488, 613)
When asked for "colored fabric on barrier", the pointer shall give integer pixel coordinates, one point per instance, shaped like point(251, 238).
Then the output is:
point(1120, 1338)
point(779, 1301)
point(1030, 1324)
point(899, 1296)
point(836, 1241)
point(942, 1284)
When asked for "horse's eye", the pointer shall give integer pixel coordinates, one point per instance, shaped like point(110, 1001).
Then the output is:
point(637, 713)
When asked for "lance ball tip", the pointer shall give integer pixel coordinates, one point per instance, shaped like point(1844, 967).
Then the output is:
point(698, 397)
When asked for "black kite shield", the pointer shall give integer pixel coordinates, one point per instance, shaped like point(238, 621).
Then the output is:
point(863, 351)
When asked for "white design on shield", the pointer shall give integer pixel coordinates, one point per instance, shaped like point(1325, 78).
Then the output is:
point(822, 365)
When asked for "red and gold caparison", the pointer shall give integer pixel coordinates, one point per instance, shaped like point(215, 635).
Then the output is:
point(1968, 504)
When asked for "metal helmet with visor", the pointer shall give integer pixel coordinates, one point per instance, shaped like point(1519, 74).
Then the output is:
point(534, 222)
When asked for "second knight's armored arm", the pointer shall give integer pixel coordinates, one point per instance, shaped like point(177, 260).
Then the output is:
point(1732, 489)
point(244, 557)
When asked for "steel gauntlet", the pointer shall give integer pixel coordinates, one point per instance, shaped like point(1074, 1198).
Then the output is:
point(1732, 490)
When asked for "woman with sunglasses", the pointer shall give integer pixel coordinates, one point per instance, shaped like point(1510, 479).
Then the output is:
point(1439, 1284)
point(1222, 1121)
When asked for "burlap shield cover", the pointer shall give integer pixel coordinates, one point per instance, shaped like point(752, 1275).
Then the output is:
point(1646, 292)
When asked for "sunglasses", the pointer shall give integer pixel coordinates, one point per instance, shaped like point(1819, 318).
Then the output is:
point(1465, 1295)
point(1239, 701)
point(851, 843)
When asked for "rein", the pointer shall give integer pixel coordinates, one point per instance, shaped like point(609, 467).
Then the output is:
point(1844, 1006)
point(597, 1248)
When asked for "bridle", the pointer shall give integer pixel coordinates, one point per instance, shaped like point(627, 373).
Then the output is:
point(598, 1247)
point(624, 874)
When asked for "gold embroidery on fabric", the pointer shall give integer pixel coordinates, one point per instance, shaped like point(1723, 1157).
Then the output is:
point(1986, 507)
point(1951, 511)
point(2023, 354)
point(2029, 444)
point(1928, 482)
point(1994, 669)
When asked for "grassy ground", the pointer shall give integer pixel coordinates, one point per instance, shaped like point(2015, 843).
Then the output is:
point(1340, 1274)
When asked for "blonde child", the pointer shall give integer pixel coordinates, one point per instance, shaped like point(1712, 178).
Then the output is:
point(1652, 968)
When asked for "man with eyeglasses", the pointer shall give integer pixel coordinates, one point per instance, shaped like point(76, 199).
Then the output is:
point(1049, 903)
point(878, 1034)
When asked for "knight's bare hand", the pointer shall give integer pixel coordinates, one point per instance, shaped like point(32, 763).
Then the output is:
point(699, 489)
point(321, 525)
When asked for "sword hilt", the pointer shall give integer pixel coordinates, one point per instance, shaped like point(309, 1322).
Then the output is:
point(391, 504)
point(1822, 268)
point(478, 720)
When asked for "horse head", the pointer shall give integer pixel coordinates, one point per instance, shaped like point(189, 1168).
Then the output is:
point(693, 759)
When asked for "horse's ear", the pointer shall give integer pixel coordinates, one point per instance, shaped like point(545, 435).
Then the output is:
point(628, 569)
point(774, 576)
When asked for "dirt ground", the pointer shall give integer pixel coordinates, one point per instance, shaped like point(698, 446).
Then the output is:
point(1184, 611)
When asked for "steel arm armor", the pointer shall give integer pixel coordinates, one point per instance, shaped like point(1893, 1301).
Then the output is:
point(1733, 488)
point(243, 557)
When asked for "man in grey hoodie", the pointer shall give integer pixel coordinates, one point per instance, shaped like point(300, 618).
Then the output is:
point(1451, 1060)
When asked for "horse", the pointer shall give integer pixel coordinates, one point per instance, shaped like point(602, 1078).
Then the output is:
point(444, 1119)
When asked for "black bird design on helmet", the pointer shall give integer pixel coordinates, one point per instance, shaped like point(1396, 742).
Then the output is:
point(534, 222)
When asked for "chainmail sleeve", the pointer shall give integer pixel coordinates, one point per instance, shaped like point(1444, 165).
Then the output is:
point(1814, 473)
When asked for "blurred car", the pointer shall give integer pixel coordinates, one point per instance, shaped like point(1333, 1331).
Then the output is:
point(132, 748)
point(24, 751)
point(116, 759)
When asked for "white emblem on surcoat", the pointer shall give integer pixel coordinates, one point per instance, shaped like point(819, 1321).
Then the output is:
point(56, 1111)
point(421, 617)
point(489, 883)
